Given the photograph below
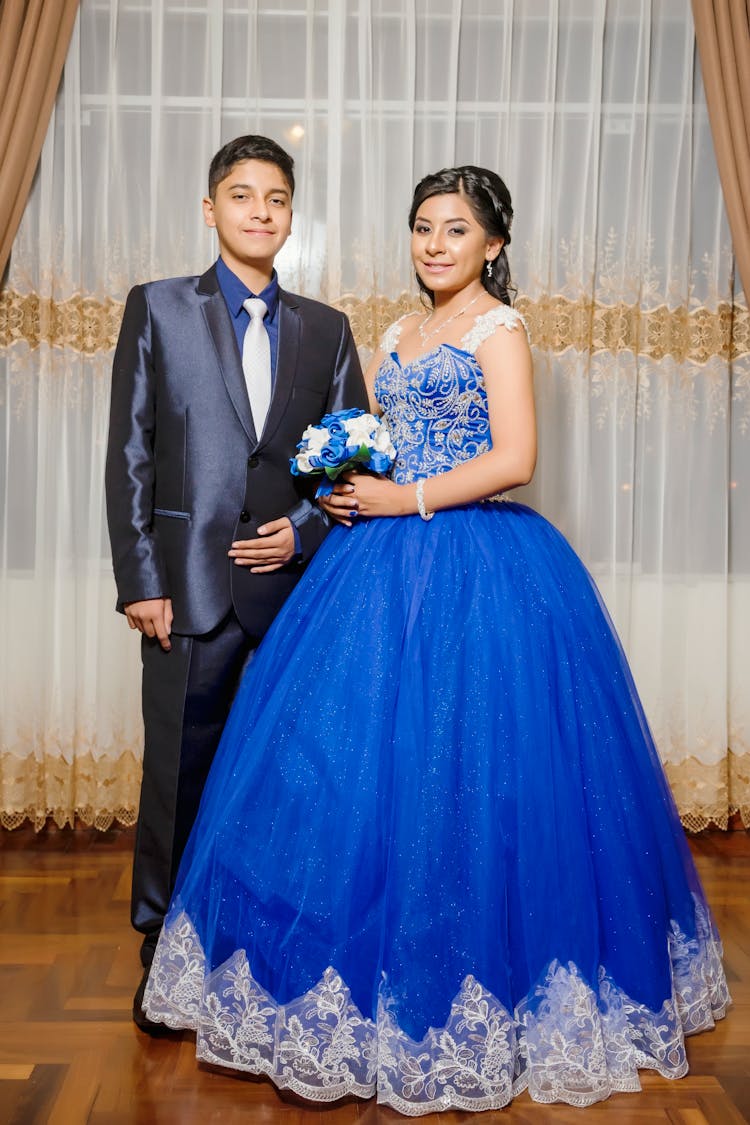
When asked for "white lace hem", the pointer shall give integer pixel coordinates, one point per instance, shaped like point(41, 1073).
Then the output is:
point(564, 1043)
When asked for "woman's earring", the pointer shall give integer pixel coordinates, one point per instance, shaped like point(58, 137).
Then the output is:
point(489, 269)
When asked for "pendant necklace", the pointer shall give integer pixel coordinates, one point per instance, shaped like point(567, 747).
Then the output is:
point(425, 336)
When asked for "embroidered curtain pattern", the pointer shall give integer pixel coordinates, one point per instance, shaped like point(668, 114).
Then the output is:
point(594, 113)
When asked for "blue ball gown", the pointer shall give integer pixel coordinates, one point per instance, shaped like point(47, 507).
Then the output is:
point(437, 859)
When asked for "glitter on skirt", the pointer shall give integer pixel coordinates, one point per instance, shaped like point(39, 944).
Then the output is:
point(437, 860)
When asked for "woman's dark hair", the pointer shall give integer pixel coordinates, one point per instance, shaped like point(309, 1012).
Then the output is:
point(250, 147)
point(490, 203)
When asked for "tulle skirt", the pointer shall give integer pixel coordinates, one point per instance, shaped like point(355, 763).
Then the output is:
point(437, 859)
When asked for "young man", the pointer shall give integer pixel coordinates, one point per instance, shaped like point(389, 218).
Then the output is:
point(214, 380)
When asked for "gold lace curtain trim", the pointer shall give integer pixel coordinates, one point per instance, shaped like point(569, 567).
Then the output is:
point(88, 325)
point(100, 791)
point(94, 791)
point(708, 795)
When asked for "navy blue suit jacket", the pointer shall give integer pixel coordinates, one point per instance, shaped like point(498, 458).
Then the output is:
point(186, 472)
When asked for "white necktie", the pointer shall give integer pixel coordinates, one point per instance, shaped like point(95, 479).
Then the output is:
point(256, 362)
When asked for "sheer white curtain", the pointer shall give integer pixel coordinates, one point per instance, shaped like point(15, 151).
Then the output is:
point(593, 112)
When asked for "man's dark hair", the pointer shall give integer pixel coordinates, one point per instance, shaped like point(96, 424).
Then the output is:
point(251, 147)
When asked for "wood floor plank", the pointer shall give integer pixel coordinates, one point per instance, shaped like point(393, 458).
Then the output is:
point(45, 949)
point(78, 1090)
point(19, 1072)
point(70, 1054)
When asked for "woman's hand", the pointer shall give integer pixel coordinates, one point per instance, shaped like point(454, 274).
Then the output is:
point(361, 494)
point(339, 504)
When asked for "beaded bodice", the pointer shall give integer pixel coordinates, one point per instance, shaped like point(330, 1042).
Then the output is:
point(435, 407)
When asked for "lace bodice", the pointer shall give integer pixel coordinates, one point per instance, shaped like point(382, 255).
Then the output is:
point(436, 406)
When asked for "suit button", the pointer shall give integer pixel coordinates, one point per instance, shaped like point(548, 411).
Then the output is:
point(253, 462)
point(244, 516)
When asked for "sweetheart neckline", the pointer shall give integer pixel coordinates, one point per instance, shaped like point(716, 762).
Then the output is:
point(423, 355)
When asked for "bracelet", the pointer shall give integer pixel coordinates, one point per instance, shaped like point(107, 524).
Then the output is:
point(420, 502)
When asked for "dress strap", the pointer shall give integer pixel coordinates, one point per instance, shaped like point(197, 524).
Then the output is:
point(486, 324)
point(392, 334)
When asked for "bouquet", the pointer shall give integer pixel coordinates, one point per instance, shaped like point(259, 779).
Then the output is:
point(346, 439)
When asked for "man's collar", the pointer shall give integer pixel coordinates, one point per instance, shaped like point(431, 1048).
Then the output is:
point(236, 292)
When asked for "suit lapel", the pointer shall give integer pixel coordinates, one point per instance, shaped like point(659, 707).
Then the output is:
point(220, 328)
point(286, 361)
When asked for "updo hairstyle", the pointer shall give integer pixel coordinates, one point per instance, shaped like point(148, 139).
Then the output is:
point(490, 203)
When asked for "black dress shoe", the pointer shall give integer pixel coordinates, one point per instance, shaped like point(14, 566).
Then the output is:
point(148, 947)
point(141, 1020)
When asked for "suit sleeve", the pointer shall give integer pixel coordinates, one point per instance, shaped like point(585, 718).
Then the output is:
point(130, 468)
point(347, 390)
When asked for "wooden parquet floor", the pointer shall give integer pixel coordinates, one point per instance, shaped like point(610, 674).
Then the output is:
point(69, 1053)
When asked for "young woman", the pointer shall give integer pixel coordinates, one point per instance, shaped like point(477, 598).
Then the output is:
point(437, 859)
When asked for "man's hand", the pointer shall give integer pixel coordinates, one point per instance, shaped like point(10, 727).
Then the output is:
point(153, 617)
point(273, 549)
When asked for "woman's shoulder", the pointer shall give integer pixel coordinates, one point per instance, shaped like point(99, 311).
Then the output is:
point(487, 323)
point(392, 334)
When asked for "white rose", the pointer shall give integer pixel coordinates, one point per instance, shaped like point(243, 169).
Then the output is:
point(303, 462)
point(359, 430)
point(316, 437)
point(383, 443)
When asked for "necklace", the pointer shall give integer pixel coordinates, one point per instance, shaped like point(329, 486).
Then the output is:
point(425, 336)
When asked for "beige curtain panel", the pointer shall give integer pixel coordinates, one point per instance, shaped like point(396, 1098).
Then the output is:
point(34, 39)
point(722, 30)
point(624, 263)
